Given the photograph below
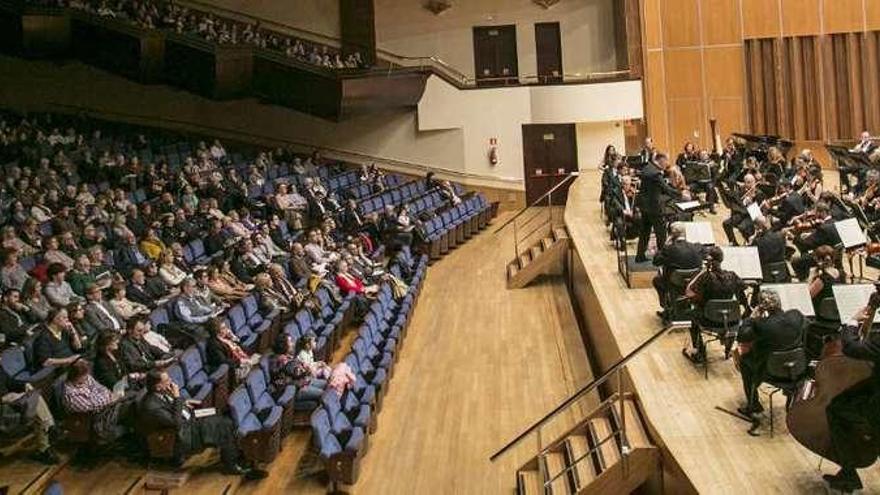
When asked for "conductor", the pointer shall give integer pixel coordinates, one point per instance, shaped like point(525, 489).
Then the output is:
point(651, 202)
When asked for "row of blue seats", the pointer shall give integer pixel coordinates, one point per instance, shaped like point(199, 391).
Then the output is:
point(342, 424)
point(454, 225)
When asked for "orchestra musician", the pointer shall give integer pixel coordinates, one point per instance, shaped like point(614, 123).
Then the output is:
point(769, 330)
point(713, 282)
point(651, 202)
point(731, 160)
point(739, 218)
point(824, 275)
point(623, 207)
point(775, 163)
point(787, 204)
point(678, 254)
point(648, 154)
point(688, 154)
point(867, 146)
point(770, 243)
point(811, 230)
point(855, 412)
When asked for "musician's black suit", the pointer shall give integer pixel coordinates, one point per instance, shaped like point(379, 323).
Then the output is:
point(791, 206)
point(856, 412)
point(771, 247)
point(779, 331)
point(650, 201)
point(678, 255)
point(739, 218)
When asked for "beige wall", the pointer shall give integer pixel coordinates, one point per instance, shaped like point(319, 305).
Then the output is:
point(406, 28)
point(319, 16)
point(593, 137)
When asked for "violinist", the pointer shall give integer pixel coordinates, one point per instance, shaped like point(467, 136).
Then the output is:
point(856, 412)
point(624, 208)
point(648, 154)
point(731, 159)
point(712, 282)
point(678, 254)
point(739, 218)
point(811, 189)
point(867, 192)
point(786, 205)
point(775, 163)
point(769, 330)
point(688, 154)
point(816, 228)
point(610, 158)
point(823, 276)
point(770, 243)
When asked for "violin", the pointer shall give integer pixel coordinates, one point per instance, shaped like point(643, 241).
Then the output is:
point(835, 374)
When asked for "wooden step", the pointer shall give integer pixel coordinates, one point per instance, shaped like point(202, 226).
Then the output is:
point(529, 482)
point(585, 471)
point(536, 251)
point(512, 269)
point(547, 242)
point(636, 435)
point(524, 260)
point(554, 462)
point(560, 233)
point(601, 429)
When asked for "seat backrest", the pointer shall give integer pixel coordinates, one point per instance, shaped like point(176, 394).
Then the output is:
point(12, 361)
point(788, 365)
point(827, 310)
point(719, 311)
point(175, 372)
point(256, 383)
point(680, 278)
point(239, 405)
point(236, 317)
point(191, 361)
point(250, 305)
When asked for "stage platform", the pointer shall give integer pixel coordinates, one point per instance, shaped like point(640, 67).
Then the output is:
point(705, 450)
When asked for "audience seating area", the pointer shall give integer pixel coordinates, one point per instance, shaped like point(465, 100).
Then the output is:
point(103, 192)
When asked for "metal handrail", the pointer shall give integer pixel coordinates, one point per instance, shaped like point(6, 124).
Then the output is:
point(535, 202)
point(583, 391)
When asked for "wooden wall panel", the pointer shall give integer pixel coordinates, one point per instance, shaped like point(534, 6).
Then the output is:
point(872, 14)
point(800, 17)
point(871, 65)
point(760, 18)
point(720, 22)
point(655, 99)
point(686, 119)
point(724, 71)
point(686, 66)
point(685, 29)
point(729, 114)
point(843, 16)
point(651, 23)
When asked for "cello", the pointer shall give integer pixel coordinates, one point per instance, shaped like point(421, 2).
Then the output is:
point(836, 373)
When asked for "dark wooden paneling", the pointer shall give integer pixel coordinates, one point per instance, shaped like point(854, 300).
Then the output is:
point(548, 52)
point(549, 154)
point(281, 81)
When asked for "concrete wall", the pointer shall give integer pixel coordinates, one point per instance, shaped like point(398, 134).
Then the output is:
point(587, 27)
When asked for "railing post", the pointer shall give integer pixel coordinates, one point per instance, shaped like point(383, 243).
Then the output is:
point(542, 470)
point(515, 241)
point(624, 440)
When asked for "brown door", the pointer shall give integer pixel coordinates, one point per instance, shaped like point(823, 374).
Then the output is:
point(548, 49)
point(549, 155)
point(495, 59)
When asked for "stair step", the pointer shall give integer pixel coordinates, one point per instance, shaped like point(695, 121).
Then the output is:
point(554, 462)
point(512, 269)
point(560, 233)
point(529, 483)
point(585, 471)
point(524, 260)
point(601, 429)
point(547, 242)
point(536, 251)
point(635, 429)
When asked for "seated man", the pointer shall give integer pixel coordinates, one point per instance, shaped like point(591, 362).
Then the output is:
point(162, 408)
point(83, 394)
point(137, 353)
point(711, 283)
point(678, 254)
point(14, 326)
point(190, 308)
point(21, 407)
point(770, 331)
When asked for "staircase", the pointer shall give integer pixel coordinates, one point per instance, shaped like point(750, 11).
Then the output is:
point(595, 456)
point(538, 258)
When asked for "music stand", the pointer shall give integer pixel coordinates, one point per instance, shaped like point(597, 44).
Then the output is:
point(699, 233)
point(850, 299)
point(853, 239)
point(794, 296)
point(743, 261)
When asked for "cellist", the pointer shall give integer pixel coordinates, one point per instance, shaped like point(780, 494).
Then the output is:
point(856, 412)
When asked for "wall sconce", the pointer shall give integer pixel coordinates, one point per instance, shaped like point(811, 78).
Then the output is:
point(437, 7)
point(546, 3)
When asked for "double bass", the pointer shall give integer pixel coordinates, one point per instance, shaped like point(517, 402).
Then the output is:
point(836, 373)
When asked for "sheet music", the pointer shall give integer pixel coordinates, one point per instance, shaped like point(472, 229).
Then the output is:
point(754, 211)
point(699, 232)
point(687, 205)
point(851, 299)
point(850, 232)
point(793, 296)
point(742, 260)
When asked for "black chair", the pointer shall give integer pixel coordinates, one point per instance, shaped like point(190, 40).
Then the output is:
point(677, 307)
point(720, 322)
point(776, 273)
point(785, 371)
point(827, 323)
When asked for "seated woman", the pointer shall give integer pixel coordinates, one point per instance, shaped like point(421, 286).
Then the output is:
point(169, 271)
point(286, 369)
point(305, 358)
point(222, 348)
point(271, 301)
point(37, 305)
point(109, 369)
point(221, 287)
point(350, 284)
point(126, 308)
point(151, 245)
point(84, 395)
point(823, 276)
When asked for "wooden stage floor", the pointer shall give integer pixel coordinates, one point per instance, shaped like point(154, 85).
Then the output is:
point(710, 446)
point(480, 363)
